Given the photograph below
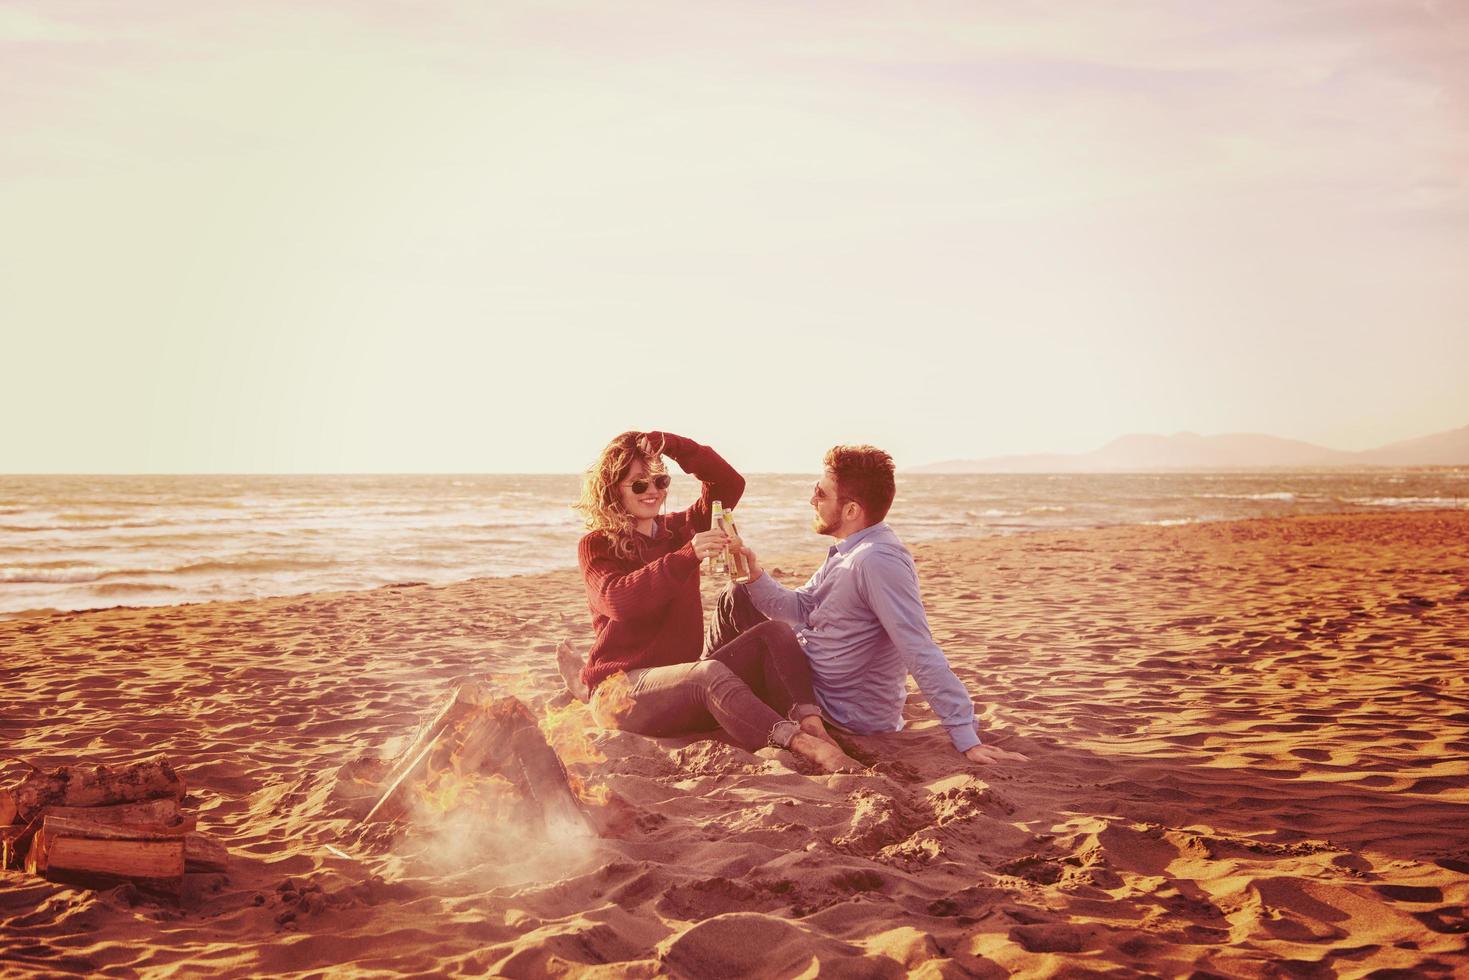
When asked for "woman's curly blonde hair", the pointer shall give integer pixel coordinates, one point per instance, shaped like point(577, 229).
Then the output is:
point(601, 497)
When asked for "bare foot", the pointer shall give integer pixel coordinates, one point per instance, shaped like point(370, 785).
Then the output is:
point(813, 725)
point(570, 663)
point(825, 754)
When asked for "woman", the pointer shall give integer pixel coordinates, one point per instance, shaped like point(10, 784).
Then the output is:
point(641, 569)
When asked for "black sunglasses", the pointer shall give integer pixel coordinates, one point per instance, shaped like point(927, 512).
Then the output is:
point(661, 482)
point(821, 494)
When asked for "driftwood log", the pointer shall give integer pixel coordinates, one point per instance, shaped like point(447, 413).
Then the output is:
point(150, 813)
point(88, 786)
point(155, 866)
point(98, 826)
point(64, 826)
point(203, 853)
point(79, 851)
point(478, 732)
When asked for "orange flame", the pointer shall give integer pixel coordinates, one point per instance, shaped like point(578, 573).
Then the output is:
point(566, 732)
point(451, 790)
point(454, 781)
point(613, 700)
point(447, 785)
point(595, 794)
point(611, 703)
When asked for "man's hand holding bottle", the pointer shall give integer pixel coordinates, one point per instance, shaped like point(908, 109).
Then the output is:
point(735, 544)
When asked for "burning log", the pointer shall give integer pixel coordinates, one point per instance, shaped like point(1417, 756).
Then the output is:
point(413, 763)
point(8, 809)
point(87, 786)
point(542, 777)
point(479, 734)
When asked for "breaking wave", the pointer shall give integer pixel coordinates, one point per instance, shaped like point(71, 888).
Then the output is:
point(58, 575)
point(1411, 501)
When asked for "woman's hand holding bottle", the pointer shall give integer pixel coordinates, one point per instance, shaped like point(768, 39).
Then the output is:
point(710, 543)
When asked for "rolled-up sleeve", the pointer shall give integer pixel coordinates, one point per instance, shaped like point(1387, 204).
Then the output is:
point(889, 583)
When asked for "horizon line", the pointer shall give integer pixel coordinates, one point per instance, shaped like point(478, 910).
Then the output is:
point(1123, 471)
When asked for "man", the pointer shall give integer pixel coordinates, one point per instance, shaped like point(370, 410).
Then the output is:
point(860, 617)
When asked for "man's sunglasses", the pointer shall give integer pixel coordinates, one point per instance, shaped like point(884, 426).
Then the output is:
point(821, 494)
point(661, 482)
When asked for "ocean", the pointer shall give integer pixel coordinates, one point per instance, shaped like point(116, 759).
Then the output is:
point(81, 542)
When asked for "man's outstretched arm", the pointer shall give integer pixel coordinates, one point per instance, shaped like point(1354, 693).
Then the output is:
point(889, 583)
point(791, 606)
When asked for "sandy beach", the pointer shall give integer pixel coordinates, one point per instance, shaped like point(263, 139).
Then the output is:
point(1249, 750)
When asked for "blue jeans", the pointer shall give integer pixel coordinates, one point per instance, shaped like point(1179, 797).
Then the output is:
point(754, 683)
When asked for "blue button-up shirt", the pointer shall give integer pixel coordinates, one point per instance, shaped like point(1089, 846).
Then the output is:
point(861, 621)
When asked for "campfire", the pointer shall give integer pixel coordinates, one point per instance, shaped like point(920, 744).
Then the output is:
point(484, 752)
point(100, 826)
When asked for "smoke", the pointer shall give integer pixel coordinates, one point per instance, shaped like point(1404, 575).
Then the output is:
point(494, 838)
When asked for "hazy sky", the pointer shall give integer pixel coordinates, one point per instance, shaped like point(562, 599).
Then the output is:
point(487, 236)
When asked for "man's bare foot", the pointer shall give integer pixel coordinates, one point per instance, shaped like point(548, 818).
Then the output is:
point(827, 755)
point(570, 663)
point(813, 725)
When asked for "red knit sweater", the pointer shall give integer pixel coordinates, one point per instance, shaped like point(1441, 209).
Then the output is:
point(646, 610)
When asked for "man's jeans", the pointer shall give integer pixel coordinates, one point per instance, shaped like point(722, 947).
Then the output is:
point(753, 681)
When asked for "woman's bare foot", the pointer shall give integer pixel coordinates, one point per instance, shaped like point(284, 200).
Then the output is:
point(570, 663)
point(813, 725)
point(827, 755)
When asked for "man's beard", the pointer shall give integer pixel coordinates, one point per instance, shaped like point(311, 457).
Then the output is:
point(822, 526)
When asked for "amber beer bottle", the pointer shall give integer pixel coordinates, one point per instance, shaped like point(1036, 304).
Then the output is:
point(739, 567)
point(717, 563)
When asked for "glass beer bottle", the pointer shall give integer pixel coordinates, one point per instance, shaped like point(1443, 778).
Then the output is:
point(717, 563)
point(739, 567)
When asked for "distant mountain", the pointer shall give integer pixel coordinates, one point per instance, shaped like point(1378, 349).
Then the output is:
point(1443, 449)
point(1245, 450)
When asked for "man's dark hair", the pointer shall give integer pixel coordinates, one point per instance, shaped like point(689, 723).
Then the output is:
point(863, 474)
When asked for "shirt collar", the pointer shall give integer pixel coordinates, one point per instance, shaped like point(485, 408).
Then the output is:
point(853, 540)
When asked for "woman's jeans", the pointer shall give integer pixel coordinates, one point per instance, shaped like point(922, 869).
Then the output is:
point(752, 681)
